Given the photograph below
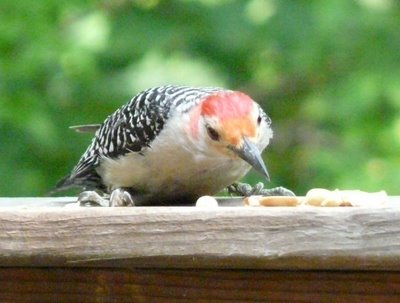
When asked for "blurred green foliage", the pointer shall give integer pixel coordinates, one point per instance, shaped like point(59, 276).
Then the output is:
point(327, 72)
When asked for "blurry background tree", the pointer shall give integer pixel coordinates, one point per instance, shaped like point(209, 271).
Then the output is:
point(327, 72)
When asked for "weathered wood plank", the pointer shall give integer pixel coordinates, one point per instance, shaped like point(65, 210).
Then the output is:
point(160, 285)
point(236, 237)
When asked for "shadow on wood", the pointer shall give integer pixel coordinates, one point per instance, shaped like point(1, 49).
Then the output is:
point(158, 285)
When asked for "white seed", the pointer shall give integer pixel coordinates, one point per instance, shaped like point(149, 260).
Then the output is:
point(206, 202)
point(316, 196)
point(252, 201)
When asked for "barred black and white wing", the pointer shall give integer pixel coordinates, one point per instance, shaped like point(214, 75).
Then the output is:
point(131, 129)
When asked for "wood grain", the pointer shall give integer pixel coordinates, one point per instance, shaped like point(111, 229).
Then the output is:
point(231, 237)
point(161, 285)
point(231, 254)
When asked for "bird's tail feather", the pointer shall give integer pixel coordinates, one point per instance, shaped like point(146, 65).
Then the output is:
point(64, 184)
point(89, 181)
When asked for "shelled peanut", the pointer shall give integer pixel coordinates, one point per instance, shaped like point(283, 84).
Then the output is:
point(322, 198)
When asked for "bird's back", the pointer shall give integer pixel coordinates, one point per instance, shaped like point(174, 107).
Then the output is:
point(131, 130)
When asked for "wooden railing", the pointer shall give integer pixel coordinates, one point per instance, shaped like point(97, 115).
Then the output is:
point(52, 251)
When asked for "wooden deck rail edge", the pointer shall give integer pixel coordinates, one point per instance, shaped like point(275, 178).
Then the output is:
point(188, 237)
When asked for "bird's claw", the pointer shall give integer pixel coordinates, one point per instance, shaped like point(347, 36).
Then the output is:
point(118, 197)
point(277, 191)
point(244, 189)
point(91, 198)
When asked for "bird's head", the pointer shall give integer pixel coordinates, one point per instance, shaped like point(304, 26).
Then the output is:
point(235, 126)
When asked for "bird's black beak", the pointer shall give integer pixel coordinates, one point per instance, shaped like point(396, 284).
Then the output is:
point(250, 153)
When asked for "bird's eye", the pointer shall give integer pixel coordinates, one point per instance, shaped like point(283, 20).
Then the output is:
point(212, 133)
point(259, 119)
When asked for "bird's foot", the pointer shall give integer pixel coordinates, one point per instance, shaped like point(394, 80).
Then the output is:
point(91, 198)
point(277, 191)
point(118, 197)
point(244, 189)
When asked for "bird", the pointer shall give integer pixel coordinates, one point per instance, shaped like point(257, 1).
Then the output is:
point(171, 144)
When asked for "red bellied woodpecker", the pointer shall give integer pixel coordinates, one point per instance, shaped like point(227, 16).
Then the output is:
point(170, 145)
